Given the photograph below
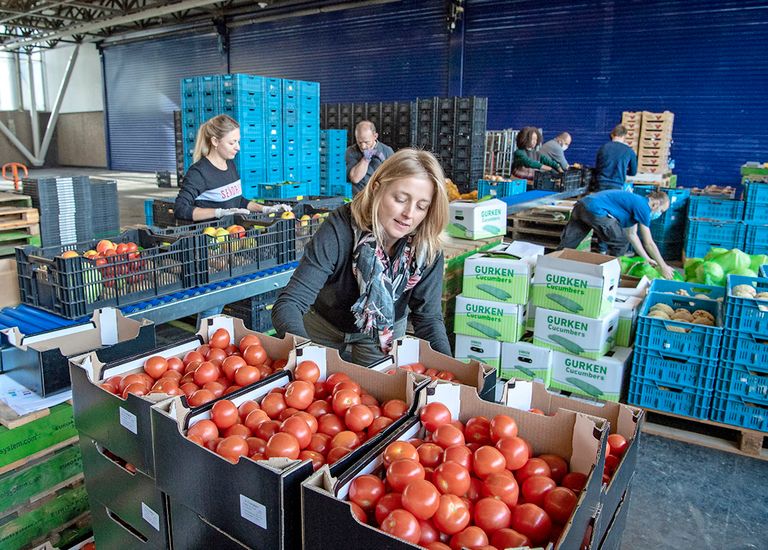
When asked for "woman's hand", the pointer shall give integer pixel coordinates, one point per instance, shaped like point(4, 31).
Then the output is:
point(546, 168)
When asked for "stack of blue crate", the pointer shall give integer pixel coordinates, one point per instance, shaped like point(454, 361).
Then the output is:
point(301, 133)
point(675, 362)
point(713, 222)
point(333, 170)
point(756, 217)
point(668, 230)
point(740, 389)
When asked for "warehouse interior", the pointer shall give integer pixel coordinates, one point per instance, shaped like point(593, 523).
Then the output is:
point(100, 91)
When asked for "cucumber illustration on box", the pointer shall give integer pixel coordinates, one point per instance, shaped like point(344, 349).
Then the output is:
point(594, 378)
point(526, 361)
point(575, 334)
point(489, 319)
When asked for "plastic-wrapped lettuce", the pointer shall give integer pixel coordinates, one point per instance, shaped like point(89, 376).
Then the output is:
point(640, 268)
point(714, 268)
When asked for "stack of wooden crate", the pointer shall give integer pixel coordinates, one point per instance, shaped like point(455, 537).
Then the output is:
point(544, 225)
point(655, 142)
point(19, 223)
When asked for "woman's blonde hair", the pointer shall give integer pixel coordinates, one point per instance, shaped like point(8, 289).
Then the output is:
point(216, 127)
point(406, 163)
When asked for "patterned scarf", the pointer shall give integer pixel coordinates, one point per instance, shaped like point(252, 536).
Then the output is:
point(382, 282)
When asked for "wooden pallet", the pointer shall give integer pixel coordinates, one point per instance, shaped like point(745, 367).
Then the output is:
point(707, 433)
point(12, 217)
point(14, 199)
point(10, 240)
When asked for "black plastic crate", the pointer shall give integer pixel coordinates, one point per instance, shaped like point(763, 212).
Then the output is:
point(256, 312)
point(572, 179)
point(75, 287)
point(547, 180)
point(317, 204)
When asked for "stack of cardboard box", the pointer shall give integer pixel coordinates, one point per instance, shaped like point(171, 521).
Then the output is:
point(632, 120)
point(653, 154)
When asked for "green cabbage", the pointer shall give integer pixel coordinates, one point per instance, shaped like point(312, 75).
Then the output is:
point(733, 260)
point(756, 260)
point(714, 253)
point(743, 273)
point(690, 266)
point(710, 273)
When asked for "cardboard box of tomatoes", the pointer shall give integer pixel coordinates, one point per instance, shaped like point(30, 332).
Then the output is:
point(413, 352)
point(129, 494)
point(122, 422)
point(253, 493)
point(626, 423)
point(40, 361)
point(578, 440)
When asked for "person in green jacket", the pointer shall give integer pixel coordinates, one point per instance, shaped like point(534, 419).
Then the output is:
point(527, 159)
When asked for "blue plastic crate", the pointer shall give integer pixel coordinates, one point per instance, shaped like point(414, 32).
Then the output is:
point(755, 212)
point(756, 239)
point(703, 235)
point(693, 289)
point(501, 188)
point(341, 190)
point(670, 398)
point(756, 192)
point(690, 372)
point(189, 87)
point(739, 412)
point(749, 382)
point(148, 216)
point(714, 208)
point(764, 270)
point(676, 337)
point(669, 250)
point(746, 316)
point(283, 190)
point(678, 196)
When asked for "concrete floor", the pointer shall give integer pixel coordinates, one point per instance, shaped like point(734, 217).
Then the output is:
point(683, 496)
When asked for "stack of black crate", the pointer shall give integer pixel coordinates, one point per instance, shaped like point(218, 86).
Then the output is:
point(178, 141)
point(392, 120)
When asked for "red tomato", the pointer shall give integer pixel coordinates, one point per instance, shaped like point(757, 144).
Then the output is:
point(216, 356)
point(267, 429)
point(155, 366)
point(307, 371)
point(272, 404)
point(224, 414)
point(330, 424)
point(469, 538)
point(488, 460)
point(438, 546)
point(237, 429)
point(220, 339)
point(232, 448)
point(531, 521)
point(317, 459)
point(385, 505)
point(346, 439)
point(557, 466)
point(434, 415)
point(402, 524)
point(575, 481)
point(502, 486)
point(428, 533)
point(200, 397)
point(319, 408)
point(452, 514)
point(452, 478)
point(248, 340)
point(204, 349)
point(205, 430)
point(446, 375)
point(618, 444)
point(502, 427)
point(282, 444)
point(206, 372)
point(358, 417)
point(430, 455)
point(491, 515)
point(254, 418)
point(535, 488)
point(255, 355)
point(216, 388)
point(357, 512)
point(344, 399)
point(448, 435)
point(509, 538)
point(515, 451)
point(398, 450)
point(230, 365)
point(189, 388)
point(368, 399)
point(256, 445)
point(421, 498)
point(534, 467)
point(309, 419)
point(365, 491)
point(299, 394)
point(461, 454)
point(478, 430)
point(348, 385)
point(611, 463)
point(402, 472)
point(193, 357)
point(394, 408)
point(246, 375)
point(559, 504)
point(320, 443)
point(246, 407)
point(299, 429)
point(378, 425)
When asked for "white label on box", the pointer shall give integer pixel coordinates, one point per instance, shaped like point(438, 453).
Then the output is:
point(150, 516)
point(109, 332)
point(253, 511)
point(128, 421)
point(519, 394)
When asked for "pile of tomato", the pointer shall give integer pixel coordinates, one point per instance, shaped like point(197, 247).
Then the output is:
point(473, 485)
point(202, 375)
point(308, 419)
point(419, 368)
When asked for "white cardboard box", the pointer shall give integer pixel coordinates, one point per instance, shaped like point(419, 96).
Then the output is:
point(477, 220)
point(576, 334)
point(597, 378)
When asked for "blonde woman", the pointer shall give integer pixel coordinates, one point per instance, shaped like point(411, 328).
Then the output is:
point(211, 187)
point(373, 262)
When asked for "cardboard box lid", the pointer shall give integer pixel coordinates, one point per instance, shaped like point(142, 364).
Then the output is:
point(575, 261)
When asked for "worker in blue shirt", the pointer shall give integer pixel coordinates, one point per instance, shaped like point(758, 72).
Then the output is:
point(614, 217)
point(615, 161)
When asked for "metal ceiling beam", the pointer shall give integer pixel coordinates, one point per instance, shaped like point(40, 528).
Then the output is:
point(33, 11)
point(98, 25)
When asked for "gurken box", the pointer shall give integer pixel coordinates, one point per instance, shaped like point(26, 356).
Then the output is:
point(575, 334)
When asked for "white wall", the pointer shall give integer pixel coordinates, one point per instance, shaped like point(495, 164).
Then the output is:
point(85, 90)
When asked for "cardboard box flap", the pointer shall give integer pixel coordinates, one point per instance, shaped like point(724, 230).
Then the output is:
point(633, 287)
point(589, 263)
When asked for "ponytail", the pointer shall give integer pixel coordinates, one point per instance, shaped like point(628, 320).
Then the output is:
point(216, 127)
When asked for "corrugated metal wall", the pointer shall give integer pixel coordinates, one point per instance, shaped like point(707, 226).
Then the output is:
point(142, 81)
point(577, 65)
point(560, 65)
